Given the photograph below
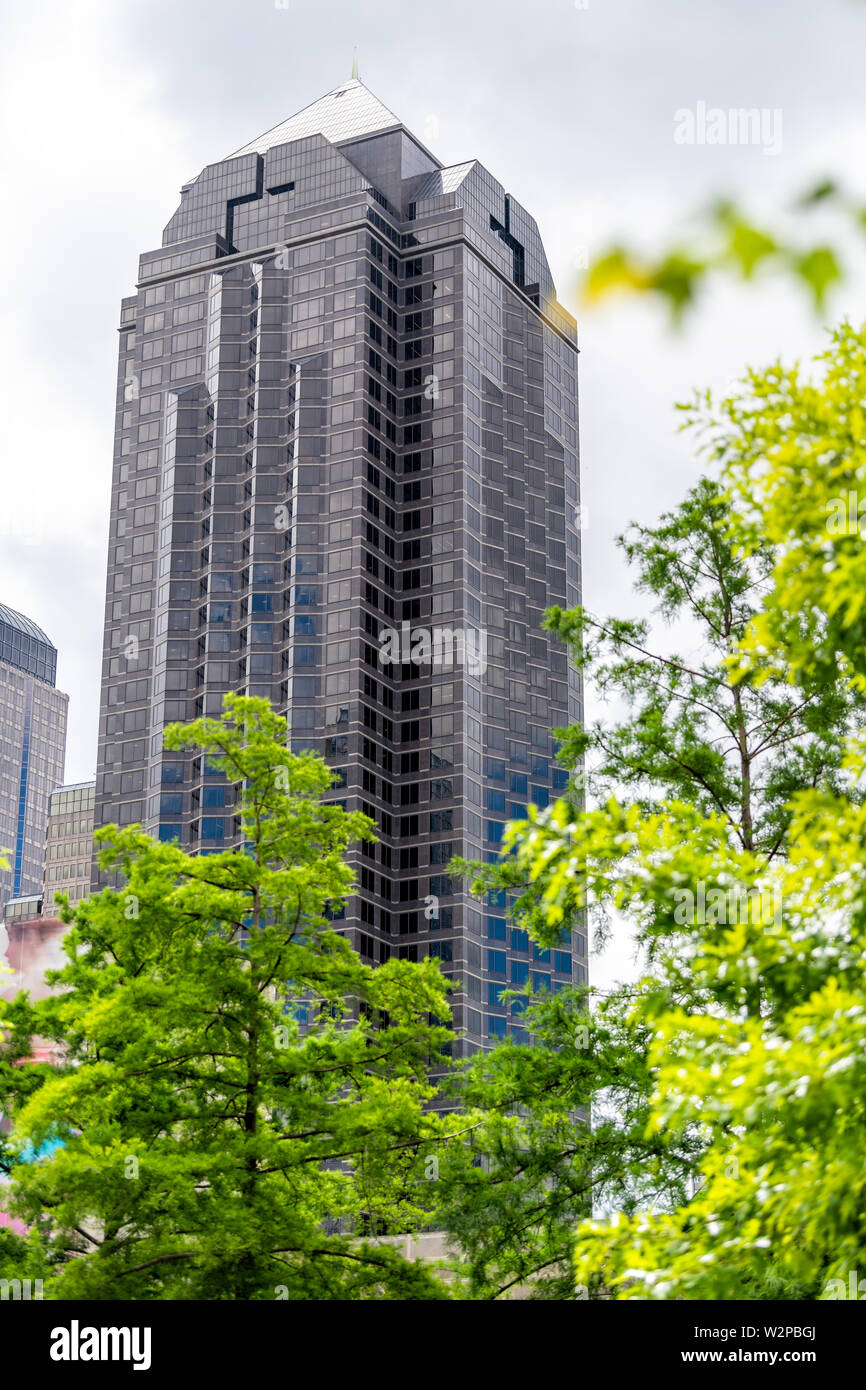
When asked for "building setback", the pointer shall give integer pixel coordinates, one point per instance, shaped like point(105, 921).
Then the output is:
point(346, 479)
point(32, 749)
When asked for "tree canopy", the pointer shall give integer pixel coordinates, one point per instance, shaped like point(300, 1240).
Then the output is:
point(242, 1102)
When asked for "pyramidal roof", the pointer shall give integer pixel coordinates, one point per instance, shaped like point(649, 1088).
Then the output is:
point(348, 111)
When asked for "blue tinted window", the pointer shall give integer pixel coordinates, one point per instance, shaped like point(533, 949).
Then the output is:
point(220, 613)
point(516, 812)
point(213, 796)
point(541, 796)
point(169, 832)
point(264, 574)
point(540, 981)
point(496, 962)
point(261, 633)
point(517, 783)
point(172, 772)
point(493, 993)
point(562, 962)
point(495, 800)
point(495, 830)
point(496, 1027)
point(305, 625)
point(496, 928)
point(560, 778)
point(539, 767)
point(262, 603)
point(304, 656)
point(519, 940)
point(221, 583)
point(212, 828)
point(306, 594)
point(495, 769)
point(519, 972)
point(171, 803)
point(538, 953)
point(306, 564)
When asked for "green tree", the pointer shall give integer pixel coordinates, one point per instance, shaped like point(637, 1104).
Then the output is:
point(510, 1193)
point(243, 1103)
point(779, 1096)
point(755, 1016)
point(794, 455)
point(700, 756)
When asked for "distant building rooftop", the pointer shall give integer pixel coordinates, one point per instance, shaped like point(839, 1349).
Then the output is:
point(25, 646)
point(17, 909)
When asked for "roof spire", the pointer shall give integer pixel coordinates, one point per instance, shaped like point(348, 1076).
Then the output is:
point(355, 65)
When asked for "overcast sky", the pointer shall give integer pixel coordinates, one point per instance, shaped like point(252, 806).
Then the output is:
point(108, 106)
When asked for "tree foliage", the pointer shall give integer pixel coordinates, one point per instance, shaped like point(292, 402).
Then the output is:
point(725, 241)
point(705, 769)
point(778, 1091)
point(242, 1102)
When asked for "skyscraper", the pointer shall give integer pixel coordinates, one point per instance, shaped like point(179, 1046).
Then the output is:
point(346, 479)
point(32, 749)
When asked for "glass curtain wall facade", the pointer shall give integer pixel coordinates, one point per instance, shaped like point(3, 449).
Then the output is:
point(69, 844)
point(346, 479)
point(32, 749)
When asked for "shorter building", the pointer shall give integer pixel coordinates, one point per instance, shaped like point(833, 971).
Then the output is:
point(29, 945)
point(32, 749)
point(69, 843)
point(31, 930)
